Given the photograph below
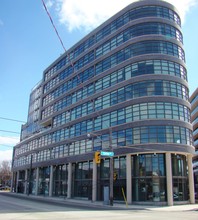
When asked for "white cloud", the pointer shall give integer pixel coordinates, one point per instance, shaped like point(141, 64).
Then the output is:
point(88, 14)
point(6, 147)
point(49, 4)
point(183, 6)
point(8, 140)
point(5, 155)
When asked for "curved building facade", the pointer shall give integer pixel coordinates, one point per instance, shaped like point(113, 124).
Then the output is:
point(122, 88)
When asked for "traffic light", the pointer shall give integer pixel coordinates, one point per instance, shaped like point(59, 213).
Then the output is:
point(97, 157)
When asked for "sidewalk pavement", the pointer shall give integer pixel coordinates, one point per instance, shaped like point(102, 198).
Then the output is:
point(101, 205)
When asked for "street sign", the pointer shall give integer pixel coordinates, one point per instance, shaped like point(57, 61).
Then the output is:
point(107, 153)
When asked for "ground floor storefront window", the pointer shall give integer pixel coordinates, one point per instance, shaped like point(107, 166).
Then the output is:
point(60, 178)
point(43, 184)
point(180, 178)
point(32, 182)
point(149, 189)
point(119, 173)
point(83, 173)
point(149, 178)
point(21, 182)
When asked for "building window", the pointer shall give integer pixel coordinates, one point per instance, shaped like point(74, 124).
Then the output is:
point(149, 178)
point(44, 177)
point(180, 178)
point(83, 179)
point(60, 178)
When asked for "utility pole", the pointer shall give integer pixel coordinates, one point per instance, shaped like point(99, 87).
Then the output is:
point(111, 168)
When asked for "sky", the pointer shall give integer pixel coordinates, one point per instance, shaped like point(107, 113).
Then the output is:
point(29, 44)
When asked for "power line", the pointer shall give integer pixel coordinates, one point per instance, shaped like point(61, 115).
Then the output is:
point(53, 25)
point(71, 62)
point(4, 145)
point(14, 132)
point(10, 119)
point(50, 17)
point(10, 137)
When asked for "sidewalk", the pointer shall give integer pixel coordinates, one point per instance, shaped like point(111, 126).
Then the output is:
point(101, 205)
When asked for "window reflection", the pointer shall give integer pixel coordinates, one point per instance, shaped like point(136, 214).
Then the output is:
point(149, 181)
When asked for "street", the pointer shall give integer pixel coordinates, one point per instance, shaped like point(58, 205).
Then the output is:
point(23, 208)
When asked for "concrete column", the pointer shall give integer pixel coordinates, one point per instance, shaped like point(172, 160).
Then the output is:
point(12, 182)
point(37, 181)
point(17, 181)
point(169, 179)
point(94, 182)
point(51, 181)
point(191, 179)
point(26, 181)
point(128, 179)
point(69, 181)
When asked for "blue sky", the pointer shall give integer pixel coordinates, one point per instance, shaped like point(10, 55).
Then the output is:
point(28, 45)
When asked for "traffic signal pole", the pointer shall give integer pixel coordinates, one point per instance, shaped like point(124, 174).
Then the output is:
point(97, 157)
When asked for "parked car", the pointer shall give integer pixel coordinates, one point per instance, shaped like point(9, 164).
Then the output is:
point(3, 188)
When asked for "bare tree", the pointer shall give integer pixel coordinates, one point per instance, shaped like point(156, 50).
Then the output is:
point(5, 172)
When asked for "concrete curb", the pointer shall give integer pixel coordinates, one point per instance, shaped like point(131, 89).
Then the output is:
point(87, 204)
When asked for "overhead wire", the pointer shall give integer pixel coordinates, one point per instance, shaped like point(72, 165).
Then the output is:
point(13, 132)
point(58, 35)
point(70, 61)
point(10, 137)
point(72, 64)
point(10, 119)
point(5, 145)
point(44, 5)
point(7, 131)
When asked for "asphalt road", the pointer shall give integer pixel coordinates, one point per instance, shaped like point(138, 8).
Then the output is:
point(13, 208)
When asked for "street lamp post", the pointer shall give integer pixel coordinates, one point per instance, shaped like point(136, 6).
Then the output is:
point(29, 176)
point(111, 169)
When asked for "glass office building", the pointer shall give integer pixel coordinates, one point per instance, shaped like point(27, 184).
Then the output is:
point(194, 119)
point(123, 88)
